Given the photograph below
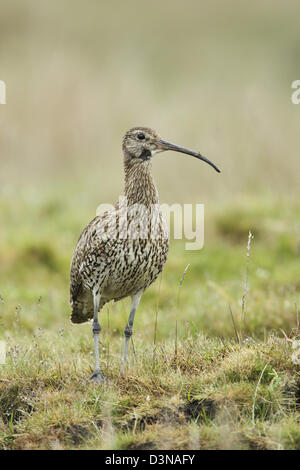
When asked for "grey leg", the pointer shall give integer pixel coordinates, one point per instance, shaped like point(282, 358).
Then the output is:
point(97, 375)
point(128, 329)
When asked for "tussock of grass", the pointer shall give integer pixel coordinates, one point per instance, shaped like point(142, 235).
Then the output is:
point(211, 398)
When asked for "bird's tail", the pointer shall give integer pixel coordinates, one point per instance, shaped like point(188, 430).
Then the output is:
point(82, 309)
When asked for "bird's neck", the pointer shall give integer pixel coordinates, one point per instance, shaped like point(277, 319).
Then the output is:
point(139, 183)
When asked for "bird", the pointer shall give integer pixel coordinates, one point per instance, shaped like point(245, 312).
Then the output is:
point(122, 251)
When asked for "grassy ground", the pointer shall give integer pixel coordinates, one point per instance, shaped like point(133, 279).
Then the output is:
point(231, 384)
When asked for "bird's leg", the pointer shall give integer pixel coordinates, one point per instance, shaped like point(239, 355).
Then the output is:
point(128, 329)
point(97, 375)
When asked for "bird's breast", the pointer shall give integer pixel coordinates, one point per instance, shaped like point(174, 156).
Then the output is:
point(138, 264)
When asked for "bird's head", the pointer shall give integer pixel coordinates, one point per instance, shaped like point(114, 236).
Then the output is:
point(141, 143)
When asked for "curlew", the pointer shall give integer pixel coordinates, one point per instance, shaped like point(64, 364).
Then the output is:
point(122, 251)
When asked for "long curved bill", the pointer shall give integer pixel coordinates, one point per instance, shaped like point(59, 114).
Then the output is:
point(164, 145)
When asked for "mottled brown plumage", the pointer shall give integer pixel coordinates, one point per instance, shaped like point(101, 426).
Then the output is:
point(121, 252)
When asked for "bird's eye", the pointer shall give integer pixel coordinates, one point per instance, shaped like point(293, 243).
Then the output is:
point(141, 136)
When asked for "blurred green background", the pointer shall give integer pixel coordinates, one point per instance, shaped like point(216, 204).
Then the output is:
point(214, 76)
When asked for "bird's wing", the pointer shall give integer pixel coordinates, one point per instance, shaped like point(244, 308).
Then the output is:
point(93, 251)
point(90, 264)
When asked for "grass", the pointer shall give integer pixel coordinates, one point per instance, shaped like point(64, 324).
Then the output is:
point(217, 394)
point(198, 377)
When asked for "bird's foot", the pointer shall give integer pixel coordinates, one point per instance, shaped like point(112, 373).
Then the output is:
point(97, 377)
